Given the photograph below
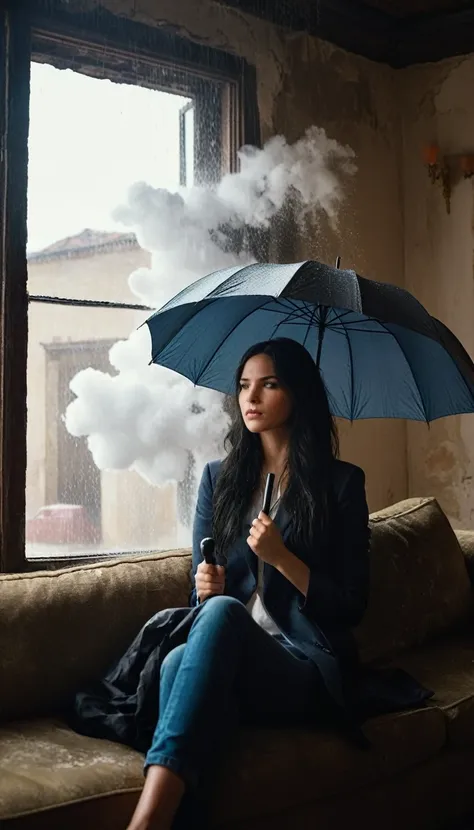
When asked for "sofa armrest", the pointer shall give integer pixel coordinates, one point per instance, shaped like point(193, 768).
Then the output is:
point(466, 541)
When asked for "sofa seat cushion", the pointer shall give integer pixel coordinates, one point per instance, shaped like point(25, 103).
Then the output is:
point(288, 766)
point(44, 765)
point(447, 667)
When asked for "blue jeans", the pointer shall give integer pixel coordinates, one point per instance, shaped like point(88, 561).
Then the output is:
point(229, 671)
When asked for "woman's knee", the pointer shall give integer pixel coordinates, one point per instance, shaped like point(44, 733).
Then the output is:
point(223, 607)
point(172, 661)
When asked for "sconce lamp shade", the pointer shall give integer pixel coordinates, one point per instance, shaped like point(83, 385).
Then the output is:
point(430, 154)
point(467, 164)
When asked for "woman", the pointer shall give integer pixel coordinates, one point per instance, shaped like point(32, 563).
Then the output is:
point(272, 641)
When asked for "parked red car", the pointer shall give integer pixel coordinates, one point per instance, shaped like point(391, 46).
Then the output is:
point(62, 524)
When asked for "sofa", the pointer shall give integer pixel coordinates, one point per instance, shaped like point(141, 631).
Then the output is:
point(60, 629)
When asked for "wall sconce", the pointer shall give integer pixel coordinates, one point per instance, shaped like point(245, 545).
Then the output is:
point(447, 169)
point(467, 165)
point(438, 171)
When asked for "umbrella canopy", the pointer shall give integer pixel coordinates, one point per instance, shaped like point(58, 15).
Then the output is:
point(380, 353)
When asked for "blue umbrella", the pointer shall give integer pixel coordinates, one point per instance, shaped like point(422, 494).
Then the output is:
point(380, 353)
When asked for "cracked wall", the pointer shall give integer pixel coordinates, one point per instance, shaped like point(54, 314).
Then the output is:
point(304, 81)
point(437, 102)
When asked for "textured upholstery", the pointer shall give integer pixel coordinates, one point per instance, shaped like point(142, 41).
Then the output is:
point(44, 765)
point(61, 628)
point(447, 667)
point(420, 586)
point(466, 541)
point(298, 762)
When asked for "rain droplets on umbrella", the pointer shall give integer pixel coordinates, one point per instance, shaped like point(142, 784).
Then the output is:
point(380, 353)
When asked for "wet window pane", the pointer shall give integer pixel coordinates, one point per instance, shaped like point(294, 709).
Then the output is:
point(187, 144)
point(72, 505)
point(90, 140)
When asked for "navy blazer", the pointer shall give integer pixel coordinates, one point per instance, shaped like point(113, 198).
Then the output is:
point(319, 624)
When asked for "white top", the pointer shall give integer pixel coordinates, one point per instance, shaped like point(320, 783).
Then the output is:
point(255, 605)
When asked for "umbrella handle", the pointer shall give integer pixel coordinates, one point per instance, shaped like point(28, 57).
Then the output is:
point(208, 552)
point(267, 498)
point(208, 546)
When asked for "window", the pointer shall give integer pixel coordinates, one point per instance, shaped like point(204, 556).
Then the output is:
point(186, 126)
point(100, 107)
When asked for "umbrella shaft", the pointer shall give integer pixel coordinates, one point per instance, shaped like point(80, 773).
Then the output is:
point(321, 327)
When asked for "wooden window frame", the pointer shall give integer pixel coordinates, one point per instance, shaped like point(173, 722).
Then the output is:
point(94, 43)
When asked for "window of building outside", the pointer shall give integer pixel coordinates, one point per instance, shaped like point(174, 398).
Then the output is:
point(90, 105)
point(90, 140)
point(92, 137)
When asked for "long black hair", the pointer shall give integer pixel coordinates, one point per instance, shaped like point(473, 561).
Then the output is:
point(313, 445)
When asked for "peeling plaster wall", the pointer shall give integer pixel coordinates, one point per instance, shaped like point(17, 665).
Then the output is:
point(303, 81)
point(438, 105)
point(356, 102)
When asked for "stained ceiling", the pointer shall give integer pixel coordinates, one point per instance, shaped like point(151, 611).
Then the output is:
point(397, 32)
point(409, 8)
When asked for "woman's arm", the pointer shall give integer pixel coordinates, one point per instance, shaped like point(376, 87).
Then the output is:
point(202, 526)
point(342, 600)
point(295, 571)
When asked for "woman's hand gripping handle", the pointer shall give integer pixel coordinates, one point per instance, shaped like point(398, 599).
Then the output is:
point(210, 577)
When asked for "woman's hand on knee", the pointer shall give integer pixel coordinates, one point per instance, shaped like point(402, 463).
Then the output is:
point(210, 580)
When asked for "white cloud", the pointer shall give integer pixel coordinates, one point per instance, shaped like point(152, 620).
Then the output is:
point(147, 417)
